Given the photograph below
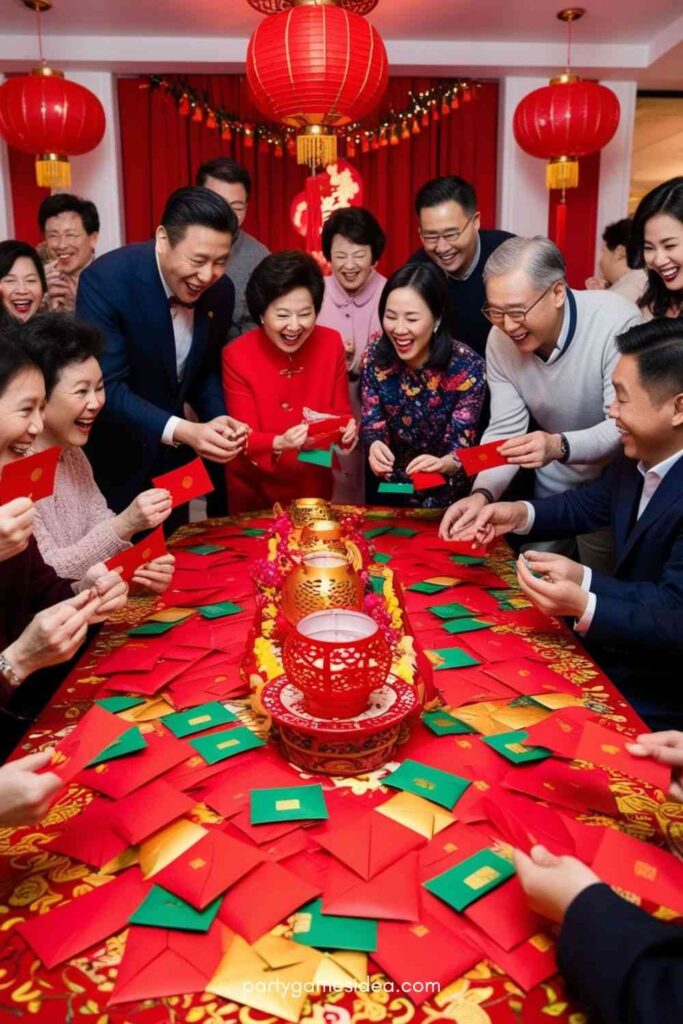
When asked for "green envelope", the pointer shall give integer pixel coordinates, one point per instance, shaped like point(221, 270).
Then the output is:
point(465, 625)
point(377, 531)
point(430, 783)
point(288, 803)
point(388, 488)
point(317, 457)
point(327, 931)
point(205, 716)
point(151, 629)
point(219, 610)
point(467, 560)
point(453, 657)
point(206, 549)
point(429, 588)
point(443, 724)
point(218, 746)
point(161, 909)
point(377, 584)
point(403, 531)
point(512, 745)
point(253, 531)
point(452, 610)
point(471, 879)
point(115, 704)
point(380, 557)
point(129, 742)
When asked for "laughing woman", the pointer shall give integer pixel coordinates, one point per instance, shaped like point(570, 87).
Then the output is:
point(422, 391)
point(74, 527)
point(22, 280)
point(657, 244)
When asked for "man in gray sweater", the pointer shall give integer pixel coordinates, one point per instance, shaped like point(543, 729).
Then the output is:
point(232, 181)
point(550, 355)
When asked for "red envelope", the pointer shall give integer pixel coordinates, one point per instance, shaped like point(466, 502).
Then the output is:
point(561, 731)
point(288, 847)
point(530, 618)
point(484, 456)
point(474, 598)
point(31, 477)
point(558, 783)
point(524, 824)
point(417, 954)
point(466, 547)
point(427, 481)
point(192, 775)
point(229, 793)
point(159, 962)
point(504, 915)
point(607, 748)
point(120, 777)
point(95, 731)
point(69, 929)
point(494, 647)
point(128, 562)
point(266, 833)
point(210, 867)
point(188, 482)
point(132, 656)
point(264, 898)
point(530, 963)
point(391, 895)
point(148, 809)
point(92, 837)
point(470, 686)
point(147, 683)
point(370, 844)
point(528, 677)
point(330, 425)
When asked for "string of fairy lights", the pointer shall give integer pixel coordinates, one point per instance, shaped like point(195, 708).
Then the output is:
point(424, 108)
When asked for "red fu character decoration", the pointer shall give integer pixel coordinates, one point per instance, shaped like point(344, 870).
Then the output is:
point(316, 65)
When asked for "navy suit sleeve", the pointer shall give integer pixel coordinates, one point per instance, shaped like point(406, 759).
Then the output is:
point(624, 965)
point(580, 511)
point(93, 303)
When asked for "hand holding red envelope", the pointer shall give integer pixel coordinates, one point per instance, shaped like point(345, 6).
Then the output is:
point(95, 731)
point(427, 481)
point(31, 477)
point(484, 456)
point(129, 561)
point(187, 482)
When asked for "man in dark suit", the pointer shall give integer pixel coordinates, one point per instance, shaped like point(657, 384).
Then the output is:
point(632, 621)
point(165, 307)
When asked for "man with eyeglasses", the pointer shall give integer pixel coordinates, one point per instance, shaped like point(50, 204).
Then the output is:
point(449, 230)
point(71, 227)
point(550, 356)
point(233, 182)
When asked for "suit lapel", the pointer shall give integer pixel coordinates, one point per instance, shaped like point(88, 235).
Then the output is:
point(156, 312)
point(203, 314)
point(667, 493)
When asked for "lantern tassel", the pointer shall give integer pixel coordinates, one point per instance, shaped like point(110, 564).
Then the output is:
point(53, 171)
point(563, 172)
point(316, 146)
point(561, 223)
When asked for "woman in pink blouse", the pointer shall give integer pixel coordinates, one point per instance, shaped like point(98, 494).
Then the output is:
point(74, 528)
point(352, 243)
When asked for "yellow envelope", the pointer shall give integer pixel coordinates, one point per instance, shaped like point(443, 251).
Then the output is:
point(422, 816)
point(520, 718)
point(444, 581)
point(150, 711)
point(558, 700)
point(167, 844)
point(342, 969)
point(482, 716)
point(272, 976)
point(170, 615)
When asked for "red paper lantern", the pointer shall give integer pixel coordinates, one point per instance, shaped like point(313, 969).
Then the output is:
point(316, 66)
point(565, 120)
point(46, 114)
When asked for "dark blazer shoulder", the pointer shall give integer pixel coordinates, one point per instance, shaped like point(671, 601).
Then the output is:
point(128, 260)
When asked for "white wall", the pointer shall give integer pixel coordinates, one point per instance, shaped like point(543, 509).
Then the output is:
point(6, 216)
point(615, 162)
point(523, 200)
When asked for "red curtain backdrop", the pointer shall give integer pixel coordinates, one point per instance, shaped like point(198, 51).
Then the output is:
point(161, 151)
point(582, 221)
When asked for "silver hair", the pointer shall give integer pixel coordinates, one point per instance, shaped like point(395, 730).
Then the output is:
point(539, 257)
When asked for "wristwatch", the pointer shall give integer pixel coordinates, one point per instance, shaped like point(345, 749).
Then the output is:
point(564, 449)
point(12, 679)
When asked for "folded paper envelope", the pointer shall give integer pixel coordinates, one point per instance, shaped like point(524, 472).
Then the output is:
point(163, 847)
point(369, 844)
point(416, 813)
point(342, 969)
point(271, 976)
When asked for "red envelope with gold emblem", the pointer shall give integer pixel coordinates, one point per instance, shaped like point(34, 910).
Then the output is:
point(148, 809)
point(561, 731)
point(95, 731)
point(119, 778)
point(263, 898)
point(607, 748)
point(556, 782)
point(188, 482)
point(530, 963)
point(128, 562)
point(636, 867)
point(421, 955)
point(484, 456)
point(528, 677)
point(370, 844)
point(505, 916)
point(31, 477)
point(391, 895)
point(208, 868)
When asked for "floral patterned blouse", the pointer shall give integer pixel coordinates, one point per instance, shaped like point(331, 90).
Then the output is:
point(424, 412)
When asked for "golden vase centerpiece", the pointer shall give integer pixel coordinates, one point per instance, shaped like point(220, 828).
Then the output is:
point(322, 580)
point(307, 510)
point(323, 534)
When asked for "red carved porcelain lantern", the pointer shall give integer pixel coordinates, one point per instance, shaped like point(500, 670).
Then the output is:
point(316, 65)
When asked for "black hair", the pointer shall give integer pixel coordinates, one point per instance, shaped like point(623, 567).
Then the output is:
point(356, 224)
point(13, 250)
point(64, 202)
point(14, 356)
point(658, 348)
point(56, 340)
point(224, 169)
point(665, 198)
point(618, 233)
point(445, 190)
point(279, 274)
point(196, 205)
point(430, 284)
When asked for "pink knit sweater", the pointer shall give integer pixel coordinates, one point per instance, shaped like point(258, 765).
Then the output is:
point(73, 526)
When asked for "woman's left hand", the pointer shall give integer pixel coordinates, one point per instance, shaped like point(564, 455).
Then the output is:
point(432, 464)
point(349, 436)
point(156, 575)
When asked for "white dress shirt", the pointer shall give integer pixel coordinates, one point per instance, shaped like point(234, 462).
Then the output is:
point(183, 330)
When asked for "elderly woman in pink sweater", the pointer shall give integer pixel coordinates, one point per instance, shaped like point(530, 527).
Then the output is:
point(74, 528)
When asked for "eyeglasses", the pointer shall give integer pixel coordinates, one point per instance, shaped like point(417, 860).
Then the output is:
point(518, 316)
point(431, 238)
point(70, 237)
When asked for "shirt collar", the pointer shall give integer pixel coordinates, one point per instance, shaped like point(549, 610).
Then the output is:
point(342, 298)
point(167, 290)
point(662, 468)
point(463, 275)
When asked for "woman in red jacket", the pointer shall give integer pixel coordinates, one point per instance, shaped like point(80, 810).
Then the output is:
point(274, 377)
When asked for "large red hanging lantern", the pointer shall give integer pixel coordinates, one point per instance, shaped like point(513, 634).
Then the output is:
point(46, 114)
point(316, 65)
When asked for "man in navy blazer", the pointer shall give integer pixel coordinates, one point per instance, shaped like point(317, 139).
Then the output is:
point(632, 621)
point(165, 307)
